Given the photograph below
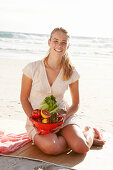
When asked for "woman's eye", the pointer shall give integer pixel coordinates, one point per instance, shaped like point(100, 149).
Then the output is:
point(61, 43)
point(64, 43)
point(55, 41)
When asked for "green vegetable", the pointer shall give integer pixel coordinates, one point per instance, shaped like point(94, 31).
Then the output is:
point(54, 118)
point(49, 104)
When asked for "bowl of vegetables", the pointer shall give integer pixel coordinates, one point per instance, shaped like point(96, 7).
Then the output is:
point(46, 118)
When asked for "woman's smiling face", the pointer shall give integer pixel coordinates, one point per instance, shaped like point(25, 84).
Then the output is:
point(58, 43)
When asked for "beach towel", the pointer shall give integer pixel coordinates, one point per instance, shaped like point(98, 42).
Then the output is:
point(12, 142)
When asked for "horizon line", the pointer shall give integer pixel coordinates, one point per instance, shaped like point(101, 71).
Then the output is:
point(47, 34)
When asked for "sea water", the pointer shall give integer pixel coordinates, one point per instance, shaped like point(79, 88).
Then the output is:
point(15, 45)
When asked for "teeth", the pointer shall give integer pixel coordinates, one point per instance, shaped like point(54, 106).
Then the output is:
point(57, 50)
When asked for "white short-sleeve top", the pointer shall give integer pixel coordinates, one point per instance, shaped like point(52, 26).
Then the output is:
point(41, 87)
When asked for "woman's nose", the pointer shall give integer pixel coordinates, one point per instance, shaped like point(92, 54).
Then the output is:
point(60, 44)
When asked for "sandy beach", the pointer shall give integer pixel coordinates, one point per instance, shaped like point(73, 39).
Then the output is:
point(96, 95)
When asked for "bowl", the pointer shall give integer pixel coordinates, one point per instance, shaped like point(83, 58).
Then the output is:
point(45, 128)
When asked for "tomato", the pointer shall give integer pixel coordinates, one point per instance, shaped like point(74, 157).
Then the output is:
point(36, 113)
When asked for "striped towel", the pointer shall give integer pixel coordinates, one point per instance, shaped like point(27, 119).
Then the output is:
point(12, 142)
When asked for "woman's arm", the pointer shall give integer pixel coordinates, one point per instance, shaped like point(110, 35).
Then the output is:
point(25, 93)
point(74, 90)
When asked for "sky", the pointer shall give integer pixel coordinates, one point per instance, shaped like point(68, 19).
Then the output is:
point(90, 18)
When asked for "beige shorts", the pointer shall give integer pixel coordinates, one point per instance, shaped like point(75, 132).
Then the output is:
point(32, 131)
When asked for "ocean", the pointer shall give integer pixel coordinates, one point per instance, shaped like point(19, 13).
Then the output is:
point(15, 45)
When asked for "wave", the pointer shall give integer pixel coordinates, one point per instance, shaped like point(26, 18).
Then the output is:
point(91, 48)
point(18, 35)
point(35, 36)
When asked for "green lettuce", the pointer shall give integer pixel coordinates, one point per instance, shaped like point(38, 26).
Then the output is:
point(49, 104)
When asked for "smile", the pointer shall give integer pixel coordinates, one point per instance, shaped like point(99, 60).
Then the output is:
point(58, 50)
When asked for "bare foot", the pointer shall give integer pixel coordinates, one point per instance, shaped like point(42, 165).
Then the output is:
point(85, 130)
point(98, 142)
point(98, 138)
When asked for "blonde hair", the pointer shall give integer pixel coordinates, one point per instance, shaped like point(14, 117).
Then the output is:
point(66, 63)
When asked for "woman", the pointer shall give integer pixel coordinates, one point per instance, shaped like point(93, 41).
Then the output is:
point(52, 76)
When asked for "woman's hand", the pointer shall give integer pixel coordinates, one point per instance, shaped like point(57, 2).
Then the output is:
point(58, 129)
point(63, 113)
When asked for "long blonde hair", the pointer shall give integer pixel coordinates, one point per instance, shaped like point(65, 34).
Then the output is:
point(66, 63)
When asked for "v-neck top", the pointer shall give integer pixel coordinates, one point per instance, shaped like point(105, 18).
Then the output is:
point(41, 87)
point(47, 77)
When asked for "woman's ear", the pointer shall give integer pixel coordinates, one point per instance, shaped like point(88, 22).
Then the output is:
point(49, 42)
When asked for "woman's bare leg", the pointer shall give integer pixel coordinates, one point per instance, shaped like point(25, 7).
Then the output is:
point(77, 140)
point(72, 137)
point(51, 143)
point(96, 140)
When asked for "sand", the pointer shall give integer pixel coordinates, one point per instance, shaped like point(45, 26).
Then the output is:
point(96, 95)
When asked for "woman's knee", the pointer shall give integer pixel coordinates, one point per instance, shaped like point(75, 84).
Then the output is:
point(80, 147)
point(51, 147)
point(75, 139)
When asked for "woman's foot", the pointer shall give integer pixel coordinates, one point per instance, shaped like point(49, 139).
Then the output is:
point(98, 139)
point(98, 142)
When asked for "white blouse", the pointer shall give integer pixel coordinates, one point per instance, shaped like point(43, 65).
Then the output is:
point(41, 87)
